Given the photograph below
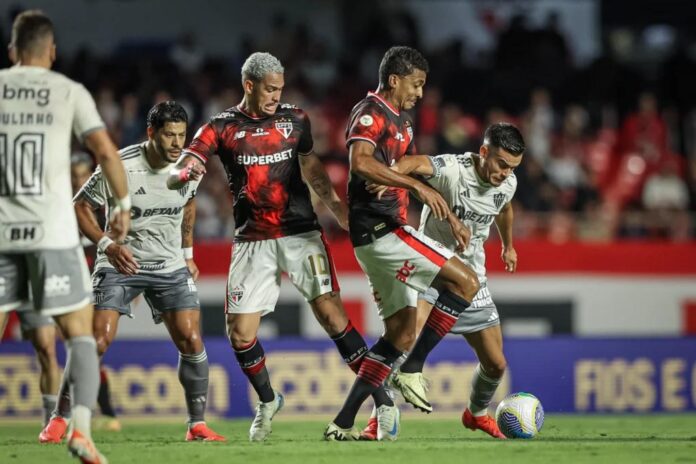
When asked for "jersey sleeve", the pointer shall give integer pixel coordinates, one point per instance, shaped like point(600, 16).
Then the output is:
point(306, 143)
point(204, 143)
point(86, 119)
point(367, 125)
point(95, 190)
point(445, 172)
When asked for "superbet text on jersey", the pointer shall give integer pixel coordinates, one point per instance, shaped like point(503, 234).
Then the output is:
point(376, 121)
point(260, 158)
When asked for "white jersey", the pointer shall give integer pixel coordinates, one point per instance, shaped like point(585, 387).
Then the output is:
point(39, 111)
point(155, 232)
point(475, 202)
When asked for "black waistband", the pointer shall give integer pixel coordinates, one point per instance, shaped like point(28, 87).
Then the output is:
point(367, 238)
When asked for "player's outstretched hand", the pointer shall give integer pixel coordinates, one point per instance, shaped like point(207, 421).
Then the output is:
point(509, 256)
point(460, 232)
point(194, 171)
point(119, 223)
point(121, 259)
point(433, 199)
point(193, 269)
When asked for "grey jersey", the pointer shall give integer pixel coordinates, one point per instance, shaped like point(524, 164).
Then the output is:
point(475, 203)
point(39, 111)
point(156, 214)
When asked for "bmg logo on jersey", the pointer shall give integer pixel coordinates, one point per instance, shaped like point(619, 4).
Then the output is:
point(405, 271)
point(42, 96)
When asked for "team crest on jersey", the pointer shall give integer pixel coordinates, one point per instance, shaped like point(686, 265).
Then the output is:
point(498, 199)
point(366, 120)
point(284, 127)
point(236, 294)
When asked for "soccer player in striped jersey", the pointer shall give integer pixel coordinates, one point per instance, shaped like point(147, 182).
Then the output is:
point(395, 257)
point(39, 244)
point(266, 148)
point(156, 258)
point(478, 188)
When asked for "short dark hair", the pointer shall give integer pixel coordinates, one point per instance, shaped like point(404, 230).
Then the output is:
point(29, 30)
point(164, 112)
point(401, 61)
point(506, 136)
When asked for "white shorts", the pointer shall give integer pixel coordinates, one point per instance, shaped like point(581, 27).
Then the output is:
point(402, 260)
point(253, 283)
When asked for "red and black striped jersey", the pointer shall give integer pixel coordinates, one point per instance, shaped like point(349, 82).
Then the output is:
point(260, 158)
point(376, 121)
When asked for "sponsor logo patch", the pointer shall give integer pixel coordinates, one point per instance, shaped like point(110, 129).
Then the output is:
point(366, 120)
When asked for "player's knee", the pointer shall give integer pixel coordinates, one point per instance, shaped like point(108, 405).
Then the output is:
point(494, 368)
point(238, 339)
point(103, 343)
point(467, 285)
point(190, 343)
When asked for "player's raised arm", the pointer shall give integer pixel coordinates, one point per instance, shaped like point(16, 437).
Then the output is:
point(187, 237)
point(314, 173)
point(105, 152)
point(364, 164)
point(503, 221)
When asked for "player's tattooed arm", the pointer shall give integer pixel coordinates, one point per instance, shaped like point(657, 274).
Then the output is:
point(187, 168)
point(316, 177)
point(187, 235)
point(503, 222)
point(187, 224)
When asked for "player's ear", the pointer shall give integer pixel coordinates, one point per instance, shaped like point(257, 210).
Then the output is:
point(483, 151)
point(248, 86)
point(150, 132)
point(393, 80)
point(12, 53)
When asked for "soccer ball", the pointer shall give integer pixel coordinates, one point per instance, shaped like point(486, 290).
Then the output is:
point(520, 415)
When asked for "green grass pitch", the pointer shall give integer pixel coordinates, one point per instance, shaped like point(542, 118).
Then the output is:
point(632, 439)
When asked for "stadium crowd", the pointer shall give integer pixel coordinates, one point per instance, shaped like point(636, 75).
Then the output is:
point(612, 143)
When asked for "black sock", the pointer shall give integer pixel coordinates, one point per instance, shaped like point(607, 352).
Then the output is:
point(374, 370)
point(104, 396)
point(352, 348)
point(252, 360)
point(441, 319)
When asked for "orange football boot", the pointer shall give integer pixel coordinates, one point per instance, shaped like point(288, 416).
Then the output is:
point(200, 431)
point(54, 432)
point(485, 423)
point(369, 433)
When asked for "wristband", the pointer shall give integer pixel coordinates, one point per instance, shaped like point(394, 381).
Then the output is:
point(188, 253)
point(123, 204)
point(104, 243)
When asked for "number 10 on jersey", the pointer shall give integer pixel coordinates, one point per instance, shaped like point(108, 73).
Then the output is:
point(21, 164)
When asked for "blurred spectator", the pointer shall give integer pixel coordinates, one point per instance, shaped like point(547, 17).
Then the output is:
point(644, 132)
point(666, 190)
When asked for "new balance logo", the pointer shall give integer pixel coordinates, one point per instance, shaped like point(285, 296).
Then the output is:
point(140, 191)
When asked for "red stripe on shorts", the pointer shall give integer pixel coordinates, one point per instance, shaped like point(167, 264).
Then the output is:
point(332, 268)
point(421, 247)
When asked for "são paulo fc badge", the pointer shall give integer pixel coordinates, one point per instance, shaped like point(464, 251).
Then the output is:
point(284, 128)
point(236, 294)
